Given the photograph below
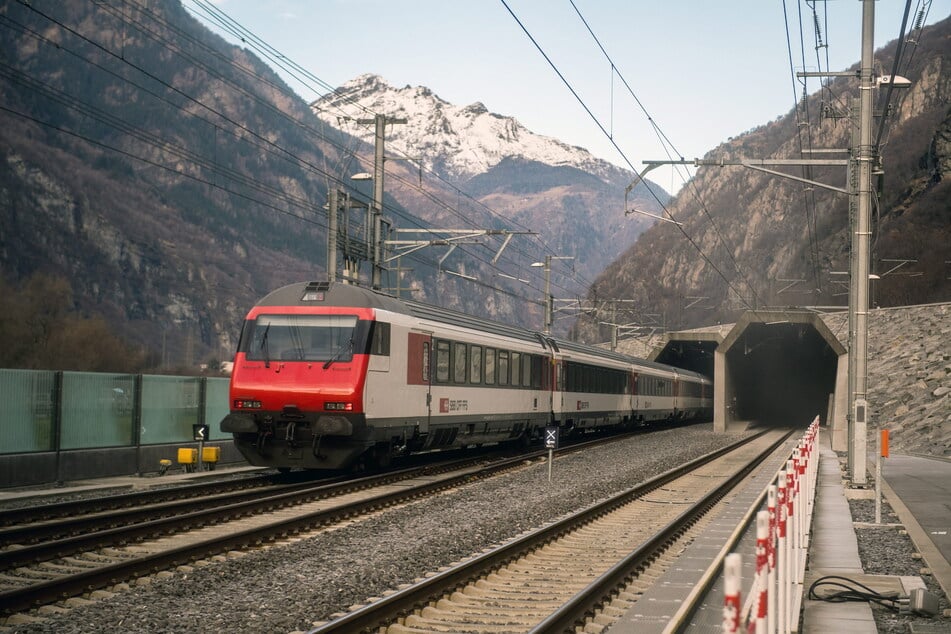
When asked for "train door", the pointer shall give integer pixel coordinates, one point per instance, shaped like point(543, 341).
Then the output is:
point(548, 383)
point(678, 400)
point(419, 376)
point(636, 396)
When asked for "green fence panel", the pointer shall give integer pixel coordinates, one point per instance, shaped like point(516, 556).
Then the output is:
point(216, 407)
point(26, 411)
point(97, 410)
point(169, 408)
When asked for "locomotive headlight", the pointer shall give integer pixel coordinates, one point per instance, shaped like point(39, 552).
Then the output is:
point(338, 407)
point(246, 403)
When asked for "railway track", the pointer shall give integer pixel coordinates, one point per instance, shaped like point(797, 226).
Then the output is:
point(40, 511)
point(565, 574)
point(92, 552)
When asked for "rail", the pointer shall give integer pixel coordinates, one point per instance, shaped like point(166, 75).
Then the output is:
point(405, 601)
point(432, 478)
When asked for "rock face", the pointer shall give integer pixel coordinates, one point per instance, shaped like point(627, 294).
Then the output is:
point(909, 376)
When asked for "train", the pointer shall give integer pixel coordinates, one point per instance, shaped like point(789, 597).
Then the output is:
point(336, 376)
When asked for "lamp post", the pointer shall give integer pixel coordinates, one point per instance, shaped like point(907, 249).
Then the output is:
point(547, 265)
point(548, 298)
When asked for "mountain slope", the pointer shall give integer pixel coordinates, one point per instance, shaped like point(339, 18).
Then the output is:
point(173, 179)
point(573, 200)
point(169, 176)
point(756, 239)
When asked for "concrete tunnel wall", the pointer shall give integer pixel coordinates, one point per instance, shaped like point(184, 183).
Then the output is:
point(778, 368)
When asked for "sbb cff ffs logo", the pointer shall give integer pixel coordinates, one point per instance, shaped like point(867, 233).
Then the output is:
point(447, 405)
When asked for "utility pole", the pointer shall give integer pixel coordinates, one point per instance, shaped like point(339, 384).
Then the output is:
point(863, 158)
point(859, 168)
point(549, 300)
point(379, 121)
point(354, 254)
point(332, 211)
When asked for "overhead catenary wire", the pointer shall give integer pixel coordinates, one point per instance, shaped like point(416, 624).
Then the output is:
point(803, 122)
point(627, 161)
point(282, 61)
point(666, 143)
point(312, 167)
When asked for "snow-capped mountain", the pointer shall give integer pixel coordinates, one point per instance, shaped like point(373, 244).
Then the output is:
point(510, 178)
point(456, 142)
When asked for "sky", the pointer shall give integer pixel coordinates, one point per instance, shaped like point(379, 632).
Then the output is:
point(695, 72)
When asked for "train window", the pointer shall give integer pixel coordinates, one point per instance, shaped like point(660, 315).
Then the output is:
point(380, 342)
point(459, 362)
point(516, 368)
point(489, 366)
point(527, 371)
point(503, 367)
point(475, 364)
point(306, 338)
point(442, 361)
point(538, 369)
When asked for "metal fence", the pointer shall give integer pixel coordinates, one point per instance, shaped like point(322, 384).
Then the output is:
point(58, 411)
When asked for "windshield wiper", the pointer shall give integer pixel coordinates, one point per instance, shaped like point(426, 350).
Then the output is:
point(348, 345)
point(263, 346)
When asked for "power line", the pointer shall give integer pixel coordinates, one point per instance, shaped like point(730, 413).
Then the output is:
point(155, 142)
point(621, 152)
point(281, 61)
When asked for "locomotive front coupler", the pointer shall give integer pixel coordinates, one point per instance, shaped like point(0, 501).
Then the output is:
point(315, 447)
point(289, 433)
point(266, 430)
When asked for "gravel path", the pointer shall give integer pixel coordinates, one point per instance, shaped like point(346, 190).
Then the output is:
point(288, 588)
point(887, 551)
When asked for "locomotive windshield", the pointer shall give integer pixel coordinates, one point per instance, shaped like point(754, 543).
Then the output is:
point(302, 338)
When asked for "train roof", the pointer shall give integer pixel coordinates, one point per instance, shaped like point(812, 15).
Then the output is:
point(340, 294)
point(331, 294)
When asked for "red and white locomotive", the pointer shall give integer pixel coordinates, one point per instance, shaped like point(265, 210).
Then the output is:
point(331, 375)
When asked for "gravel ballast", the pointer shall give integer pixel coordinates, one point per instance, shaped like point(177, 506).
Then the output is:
point(289, 587)
point(888, 550)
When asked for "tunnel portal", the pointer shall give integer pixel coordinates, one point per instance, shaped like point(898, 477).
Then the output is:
point(777, 368)
point(771, 367)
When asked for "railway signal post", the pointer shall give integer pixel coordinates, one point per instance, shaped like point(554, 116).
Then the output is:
point(551, 442)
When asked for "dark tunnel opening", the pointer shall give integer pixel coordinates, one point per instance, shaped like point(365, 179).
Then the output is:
point(782, 374)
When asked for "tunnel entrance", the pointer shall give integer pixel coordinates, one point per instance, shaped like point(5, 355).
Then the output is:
point(776, 368)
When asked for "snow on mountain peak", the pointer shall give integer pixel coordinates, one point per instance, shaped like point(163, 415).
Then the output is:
point(458, 142)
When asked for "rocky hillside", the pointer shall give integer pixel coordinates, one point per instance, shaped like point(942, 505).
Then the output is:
point(173, 179)
point(168, 176)
point(754, 239)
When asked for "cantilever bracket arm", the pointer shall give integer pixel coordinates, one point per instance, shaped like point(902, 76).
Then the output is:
point(650, 166)
point(796, 178)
